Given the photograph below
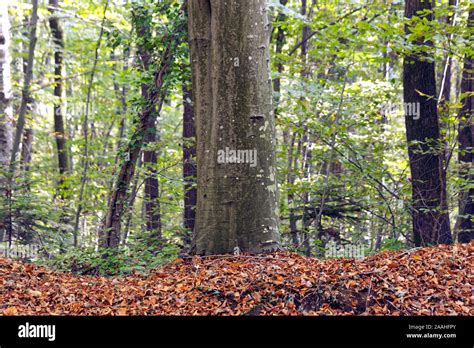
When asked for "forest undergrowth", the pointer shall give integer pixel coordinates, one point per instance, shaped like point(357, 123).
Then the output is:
point(421, 281)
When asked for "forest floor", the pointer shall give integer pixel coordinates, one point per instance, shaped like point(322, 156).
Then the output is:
point(424, 281)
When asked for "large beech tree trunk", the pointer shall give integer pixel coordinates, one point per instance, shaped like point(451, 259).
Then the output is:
point(430, 216)
point(237, 202)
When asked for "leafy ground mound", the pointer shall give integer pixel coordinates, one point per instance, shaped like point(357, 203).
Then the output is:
point(428, 281)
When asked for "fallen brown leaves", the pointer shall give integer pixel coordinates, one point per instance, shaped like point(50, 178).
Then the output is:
point(428, 281)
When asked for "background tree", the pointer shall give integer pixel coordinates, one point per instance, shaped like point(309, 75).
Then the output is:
point(466, 145)
point(154, 94)
point(59, 129)
point(6, 111)
point(430, 215)
point(26, 92)
point(143, 25)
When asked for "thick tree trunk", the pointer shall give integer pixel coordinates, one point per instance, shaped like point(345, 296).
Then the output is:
point(189, 162)
point(237, 202)
point(430, 216)
point(6, 113)
point(466, 145)
point(59, 133)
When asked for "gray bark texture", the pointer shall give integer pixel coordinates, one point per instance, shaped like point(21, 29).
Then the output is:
point(25, 93)
point(59, 132)
point(232, 89)
point(6, 111)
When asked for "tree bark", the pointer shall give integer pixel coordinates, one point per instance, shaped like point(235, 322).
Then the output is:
point(59, 133)
point(152, 194)
point(85, 130)
point(152, 186)
point(25, 93)
point(189, 162)
point(6, 111)
point(306, 153)
point(289, 140)
point(279, 43)
point(237, 205)
point(24, 107)
point(26, 149)
point(466, 145)
point(111, 235)
point(429, 210)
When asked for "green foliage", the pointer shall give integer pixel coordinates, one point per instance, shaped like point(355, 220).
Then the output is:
point(111, 262)
point(330, 108)
point(392, 244)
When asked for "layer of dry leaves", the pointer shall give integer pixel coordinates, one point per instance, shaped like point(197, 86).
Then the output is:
point(429, 281)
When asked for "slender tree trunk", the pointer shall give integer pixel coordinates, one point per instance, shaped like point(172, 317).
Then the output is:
point(59, 133)
point(26, 150)
point(6, 110)
point(152, 188)
point(445, 85)
point(121, 111)
point(237, 205)
point(279, 43)
point(189, 162)
point(306, 162)
point(430, 218)
point(444, 105)
point(466, 146)
point(131, 202)
point(25, 93)
point(24, 107)
point(152, 194)
point(111, 235)
point(127, 171)
point(292, 165)
point(85, 130)
point(289, 140)
point(6, 114)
